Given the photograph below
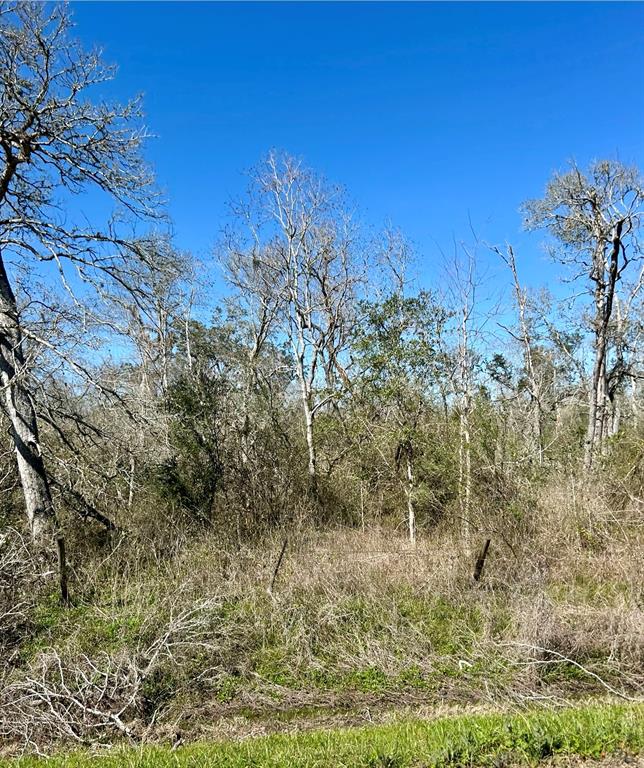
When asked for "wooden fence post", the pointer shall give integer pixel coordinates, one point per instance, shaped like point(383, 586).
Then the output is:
point(277, 567)
point(480, 561)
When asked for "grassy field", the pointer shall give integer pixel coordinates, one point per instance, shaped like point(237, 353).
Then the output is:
point(491, 739)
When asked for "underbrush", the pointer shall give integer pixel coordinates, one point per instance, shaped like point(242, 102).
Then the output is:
point(197, 645)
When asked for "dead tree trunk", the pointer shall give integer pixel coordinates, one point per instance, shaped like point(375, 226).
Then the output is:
point(480, 561)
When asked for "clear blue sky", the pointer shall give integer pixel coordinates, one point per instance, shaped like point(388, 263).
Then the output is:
point(428, 113)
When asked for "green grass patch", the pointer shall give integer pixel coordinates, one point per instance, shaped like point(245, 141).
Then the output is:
point(84, 627)
point(497, 739)
point(309, 645)
point(589, 589)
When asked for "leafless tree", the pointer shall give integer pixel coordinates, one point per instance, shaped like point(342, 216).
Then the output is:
point(157, 316)
point(298, 260)
point(595, 218)
point(627, 362)
point(56, 143)
point(259, 305)
point(463, 282)
point(464, 285)
point(525, 337)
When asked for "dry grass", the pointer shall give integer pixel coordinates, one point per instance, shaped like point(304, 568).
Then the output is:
point(358, 621)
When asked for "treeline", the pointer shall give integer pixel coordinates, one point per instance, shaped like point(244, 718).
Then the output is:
point(327, 388)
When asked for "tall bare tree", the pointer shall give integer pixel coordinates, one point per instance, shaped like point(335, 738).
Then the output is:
point(55, 144)
point(595, 217)
point(297, 256)
point(462, 286)
point(525, 336)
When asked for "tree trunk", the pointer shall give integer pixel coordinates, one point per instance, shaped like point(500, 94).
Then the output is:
point(312, 468)
point(411, 513)
point(465, 471)
point(614, 417)
point(634, 399)
point(22, 417)
point(464, 447)
point(526, 338)
point(595, 404)
point(605, 281)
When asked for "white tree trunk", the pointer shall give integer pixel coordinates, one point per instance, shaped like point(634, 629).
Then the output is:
point(635, 406)
point(465, 472)
point(22, 417)
point(597, 400)
point(411, 513)
point(536, 394)
point(312, 467)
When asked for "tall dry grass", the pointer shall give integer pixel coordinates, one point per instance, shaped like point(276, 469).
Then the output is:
point(355, 619)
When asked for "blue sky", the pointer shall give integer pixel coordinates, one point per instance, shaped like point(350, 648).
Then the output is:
point(430, 114)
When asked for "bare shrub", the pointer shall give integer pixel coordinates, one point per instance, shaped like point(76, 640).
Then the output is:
point(19, 573)
point(62, 697)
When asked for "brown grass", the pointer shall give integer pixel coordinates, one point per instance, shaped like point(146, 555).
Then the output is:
point(361, 622)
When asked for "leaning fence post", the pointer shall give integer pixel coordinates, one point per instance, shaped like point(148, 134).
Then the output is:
point(277, 567)
point(480, 561)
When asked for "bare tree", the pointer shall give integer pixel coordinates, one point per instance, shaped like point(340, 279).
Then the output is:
point(55, 143)
point(298, 258)
point(595, 217)
point(470, 314)
point(259, 305)
point(525, 338)
point(152, 321)
point(463, 284)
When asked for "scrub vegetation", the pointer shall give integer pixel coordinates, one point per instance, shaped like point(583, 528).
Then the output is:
point(333, 498)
